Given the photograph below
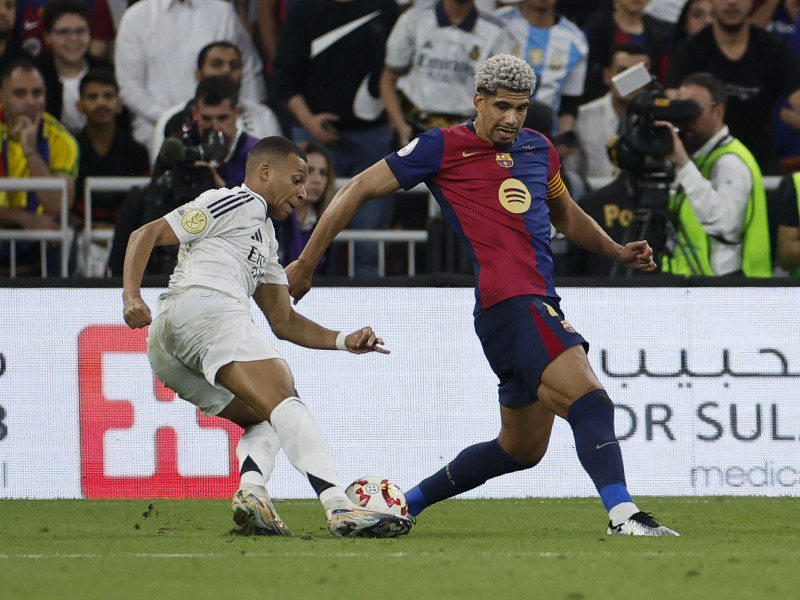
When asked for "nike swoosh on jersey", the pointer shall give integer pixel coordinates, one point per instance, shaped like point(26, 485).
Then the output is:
point(366, 106)
point(598, 446)
point(28, 25)
point(466, 154)
point(326, 40)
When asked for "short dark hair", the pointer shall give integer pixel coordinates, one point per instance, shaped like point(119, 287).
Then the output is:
point(715, 87)
point(215, 89)
point(627, 48)
point(101, 75)
point(21, 62)
point(55, 9)
point(201, 58)
point(273, 147)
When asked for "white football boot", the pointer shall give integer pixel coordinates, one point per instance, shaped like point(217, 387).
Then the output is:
point(641, 523)
point(360, 522)
point(255, 514)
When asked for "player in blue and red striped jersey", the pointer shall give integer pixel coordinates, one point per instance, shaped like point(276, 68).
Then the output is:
point(500, 188)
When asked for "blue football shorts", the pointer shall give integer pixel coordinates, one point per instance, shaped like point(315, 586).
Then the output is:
point(520, 336)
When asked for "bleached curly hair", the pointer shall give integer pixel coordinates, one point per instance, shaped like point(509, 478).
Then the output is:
point(507, 72)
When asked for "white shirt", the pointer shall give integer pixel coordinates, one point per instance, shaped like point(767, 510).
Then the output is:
point(442, 60)
point(256, 119)
point(484, 5)
point(227, 243)
point(595, 124)
point(71, 117)
point(156, 51)
point(666, 10)
point(719, 202)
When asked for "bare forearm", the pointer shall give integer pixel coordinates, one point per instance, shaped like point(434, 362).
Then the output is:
point(50, 200)
point(763, 14)
point(299, 108)
point(788, 247)
point(584, 231)
point(268, 26)
point(13, 217)
point(335, 218)
point(789, 255)
point(388, 89)
point(305, 332)
point(592, 237)
point(140, 246)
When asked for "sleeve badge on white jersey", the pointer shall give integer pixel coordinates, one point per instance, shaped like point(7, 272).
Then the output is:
point(194, 221)
point(406, 150)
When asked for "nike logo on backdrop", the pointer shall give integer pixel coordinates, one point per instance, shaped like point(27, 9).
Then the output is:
point(598, 446)
point(467, 154)
point(327, 40)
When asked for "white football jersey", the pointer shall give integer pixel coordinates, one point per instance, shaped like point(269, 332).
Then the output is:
point(442, 58)
point(227, 243)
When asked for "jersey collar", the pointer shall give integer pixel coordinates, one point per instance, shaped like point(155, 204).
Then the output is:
point(467, 24)
point(257, 196)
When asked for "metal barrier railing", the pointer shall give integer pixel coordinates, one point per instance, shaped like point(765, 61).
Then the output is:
point(62, 235)
point(348, 236)
point(104, 184)
point(124, 184)
point(382, 237)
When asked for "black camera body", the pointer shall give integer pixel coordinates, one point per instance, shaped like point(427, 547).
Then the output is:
point(642, 146)
point(188, 149)
point(176, 181)
point(642, 140)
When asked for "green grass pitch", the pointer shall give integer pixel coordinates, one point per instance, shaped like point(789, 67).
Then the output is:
point(731, 548)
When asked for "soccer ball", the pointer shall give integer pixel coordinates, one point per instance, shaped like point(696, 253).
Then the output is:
point(378, 494)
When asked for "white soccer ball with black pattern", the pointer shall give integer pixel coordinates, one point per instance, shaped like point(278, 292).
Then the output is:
point(378, 494)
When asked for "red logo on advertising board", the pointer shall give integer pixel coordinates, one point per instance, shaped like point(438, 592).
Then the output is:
point(138, 438)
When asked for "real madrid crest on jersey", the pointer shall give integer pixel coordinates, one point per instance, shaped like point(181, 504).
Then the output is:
point(504, 159)
point(194, 221)
point(475, 53)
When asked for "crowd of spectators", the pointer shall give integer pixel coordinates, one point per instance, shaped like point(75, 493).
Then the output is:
point(104, 87)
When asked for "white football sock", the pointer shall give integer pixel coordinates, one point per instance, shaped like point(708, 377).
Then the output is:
point(261, 444)
point(303, 442)
point(622, 512)
point(335, 498)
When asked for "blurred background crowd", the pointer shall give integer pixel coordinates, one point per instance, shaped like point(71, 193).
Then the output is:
point(176, 92)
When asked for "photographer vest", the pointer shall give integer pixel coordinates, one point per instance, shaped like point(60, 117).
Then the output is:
point(756, 251)
point(796, 181)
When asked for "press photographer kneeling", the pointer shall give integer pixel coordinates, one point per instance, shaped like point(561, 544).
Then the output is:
point(210, 152)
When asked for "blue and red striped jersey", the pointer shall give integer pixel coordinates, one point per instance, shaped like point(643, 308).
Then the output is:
point(496, 201)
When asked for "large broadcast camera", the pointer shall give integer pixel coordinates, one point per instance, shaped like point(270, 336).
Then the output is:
point(642, 146)
point(177, 180)
point(641, 149)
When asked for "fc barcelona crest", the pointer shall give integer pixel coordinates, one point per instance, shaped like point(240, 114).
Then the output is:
point(504, 159)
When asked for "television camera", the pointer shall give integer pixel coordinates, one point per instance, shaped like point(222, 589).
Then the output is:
point(641, 149)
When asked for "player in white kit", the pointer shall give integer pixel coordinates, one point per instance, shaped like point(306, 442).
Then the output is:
point(204, 345)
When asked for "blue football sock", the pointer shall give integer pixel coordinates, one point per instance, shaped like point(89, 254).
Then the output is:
point(592, 420)
point(416, 501)
point(472, 467)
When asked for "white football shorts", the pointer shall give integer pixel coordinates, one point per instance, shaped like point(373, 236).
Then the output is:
point(196, 332)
